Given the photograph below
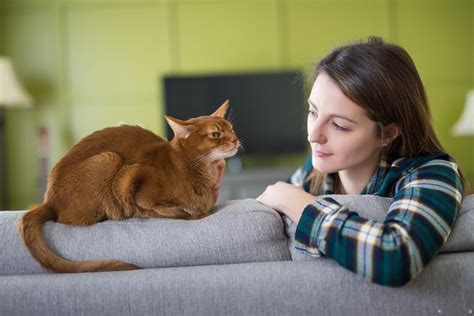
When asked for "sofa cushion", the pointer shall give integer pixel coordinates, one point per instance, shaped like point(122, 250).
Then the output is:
point(236, 232)
point(374, 207)
point(445, 287)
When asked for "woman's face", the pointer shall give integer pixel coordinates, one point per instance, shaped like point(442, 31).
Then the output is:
point(341, 135)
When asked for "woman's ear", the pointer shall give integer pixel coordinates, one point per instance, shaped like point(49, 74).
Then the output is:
point(390, 133)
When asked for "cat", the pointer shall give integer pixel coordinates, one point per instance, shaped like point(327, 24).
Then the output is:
point(127, 171)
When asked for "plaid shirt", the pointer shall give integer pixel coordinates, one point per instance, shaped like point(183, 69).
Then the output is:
point(427, 194)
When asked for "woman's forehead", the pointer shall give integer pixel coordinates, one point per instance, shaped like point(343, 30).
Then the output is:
point(326, 96)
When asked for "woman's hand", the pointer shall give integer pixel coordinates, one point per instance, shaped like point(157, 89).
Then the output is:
point(220, 169)
point(287, 199)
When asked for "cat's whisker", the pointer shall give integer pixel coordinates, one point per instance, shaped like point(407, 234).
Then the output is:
point(230, 117)
point(231, 121)
point(218, 153)
point(241, 143)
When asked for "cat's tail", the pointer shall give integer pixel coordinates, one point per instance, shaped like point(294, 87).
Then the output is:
point(30, 228)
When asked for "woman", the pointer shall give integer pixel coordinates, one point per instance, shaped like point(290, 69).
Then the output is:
point(370, 132)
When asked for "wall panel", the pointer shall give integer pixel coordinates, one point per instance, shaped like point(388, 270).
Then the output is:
point(2, 29)
point(227, 36)
point(115, 57)
point(315, 27)
point(439, 36)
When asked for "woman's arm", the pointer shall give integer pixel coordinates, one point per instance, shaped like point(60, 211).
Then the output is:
point(216, 187)
point(287, 199)
point(391, 253)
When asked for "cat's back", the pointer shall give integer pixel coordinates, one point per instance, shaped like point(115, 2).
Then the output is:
point(125, 140)
point(131, 136)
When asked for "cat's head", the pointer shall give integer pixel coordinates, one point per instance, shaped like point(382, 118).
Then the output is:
point(206, 138)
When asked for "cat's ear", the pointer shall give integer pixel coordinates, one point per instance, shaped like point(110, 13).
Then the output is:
point(220, 112)
point(180, 128)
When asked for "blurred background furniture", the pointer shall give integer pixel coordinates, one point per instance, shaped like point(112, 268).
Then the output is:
point(12, 95)
point(465, 125)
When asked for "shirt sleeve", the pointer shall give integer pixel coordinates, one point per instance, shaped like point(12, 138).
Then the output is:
point(419, 221)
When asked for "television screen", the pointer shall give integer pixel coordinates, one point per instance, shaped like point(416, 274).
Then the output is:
point(266, 109)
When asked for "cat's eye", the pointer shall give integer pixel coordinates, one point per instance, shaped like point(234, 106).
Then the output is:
point(215, 134)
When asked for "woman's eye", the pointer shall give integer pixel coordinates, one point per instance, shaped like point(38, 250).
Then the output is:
point(340, 128)
point(312, 113)
point(215, 134)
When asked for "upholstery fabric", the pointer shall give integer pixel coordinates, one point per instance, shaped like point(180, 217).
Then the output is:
point(236, 232)
point(263, 288)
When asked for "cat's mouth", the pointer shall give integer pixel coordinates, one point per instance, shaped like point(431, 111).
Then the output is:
point(223, 153)
point(233, 152)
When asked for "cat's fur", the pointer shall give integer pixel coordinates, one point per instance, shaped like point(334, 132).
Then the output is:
point(127, 171)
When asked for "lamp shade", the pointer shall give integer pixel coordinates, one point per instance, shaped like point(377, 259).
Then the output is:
point(12, 93)
point(465, 125)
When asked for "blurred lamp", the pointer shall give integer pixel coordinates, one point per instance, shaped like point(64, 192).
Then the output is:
point(11, 95)
point(465, 125)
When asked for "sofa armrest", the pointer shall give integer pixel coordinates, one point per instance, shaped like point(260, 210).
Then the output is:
point(235, 232)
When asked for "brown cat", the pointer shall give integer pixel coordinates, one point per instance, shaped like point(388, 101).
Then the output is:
point(127, 171)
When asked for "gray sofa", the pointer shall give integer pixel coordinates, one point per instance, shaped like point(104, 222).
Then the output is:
point(239, 260)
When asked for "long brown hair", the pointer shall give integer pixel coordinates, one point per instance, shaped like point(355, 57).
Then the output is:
point(382, 78)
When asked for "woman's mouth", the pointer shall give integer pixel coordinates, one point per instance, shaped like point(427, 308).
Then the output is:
point(321, 154)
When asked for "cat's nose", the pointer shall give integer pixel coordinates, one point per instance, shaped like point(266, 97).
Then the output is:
point(232, 138)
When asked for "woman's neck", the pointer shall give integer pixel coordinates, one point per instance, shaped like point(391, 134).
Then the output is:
point(353, 181)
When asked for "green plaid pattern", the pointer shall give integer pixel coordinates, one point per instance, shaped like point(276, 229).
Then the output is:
point(426, 192)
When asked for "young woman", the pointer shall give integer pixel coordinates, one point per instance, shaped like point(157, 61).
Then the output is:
point(370, 131)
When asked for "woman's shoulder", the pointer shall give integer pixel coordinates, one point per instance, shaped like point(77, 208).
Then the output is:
point(431, 170)
point(433, 161)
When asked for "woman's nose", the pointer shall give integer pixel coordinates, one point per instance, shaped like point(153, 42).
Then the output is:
point(316, 133)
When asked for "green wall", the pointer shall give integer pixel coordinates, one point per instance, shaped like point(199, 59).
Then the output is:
point(2, 30)
point(91, 64)
point(440, 37)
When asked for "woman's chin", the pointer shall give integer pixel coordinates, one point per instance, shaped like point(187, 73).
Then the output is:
point(323, 168)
